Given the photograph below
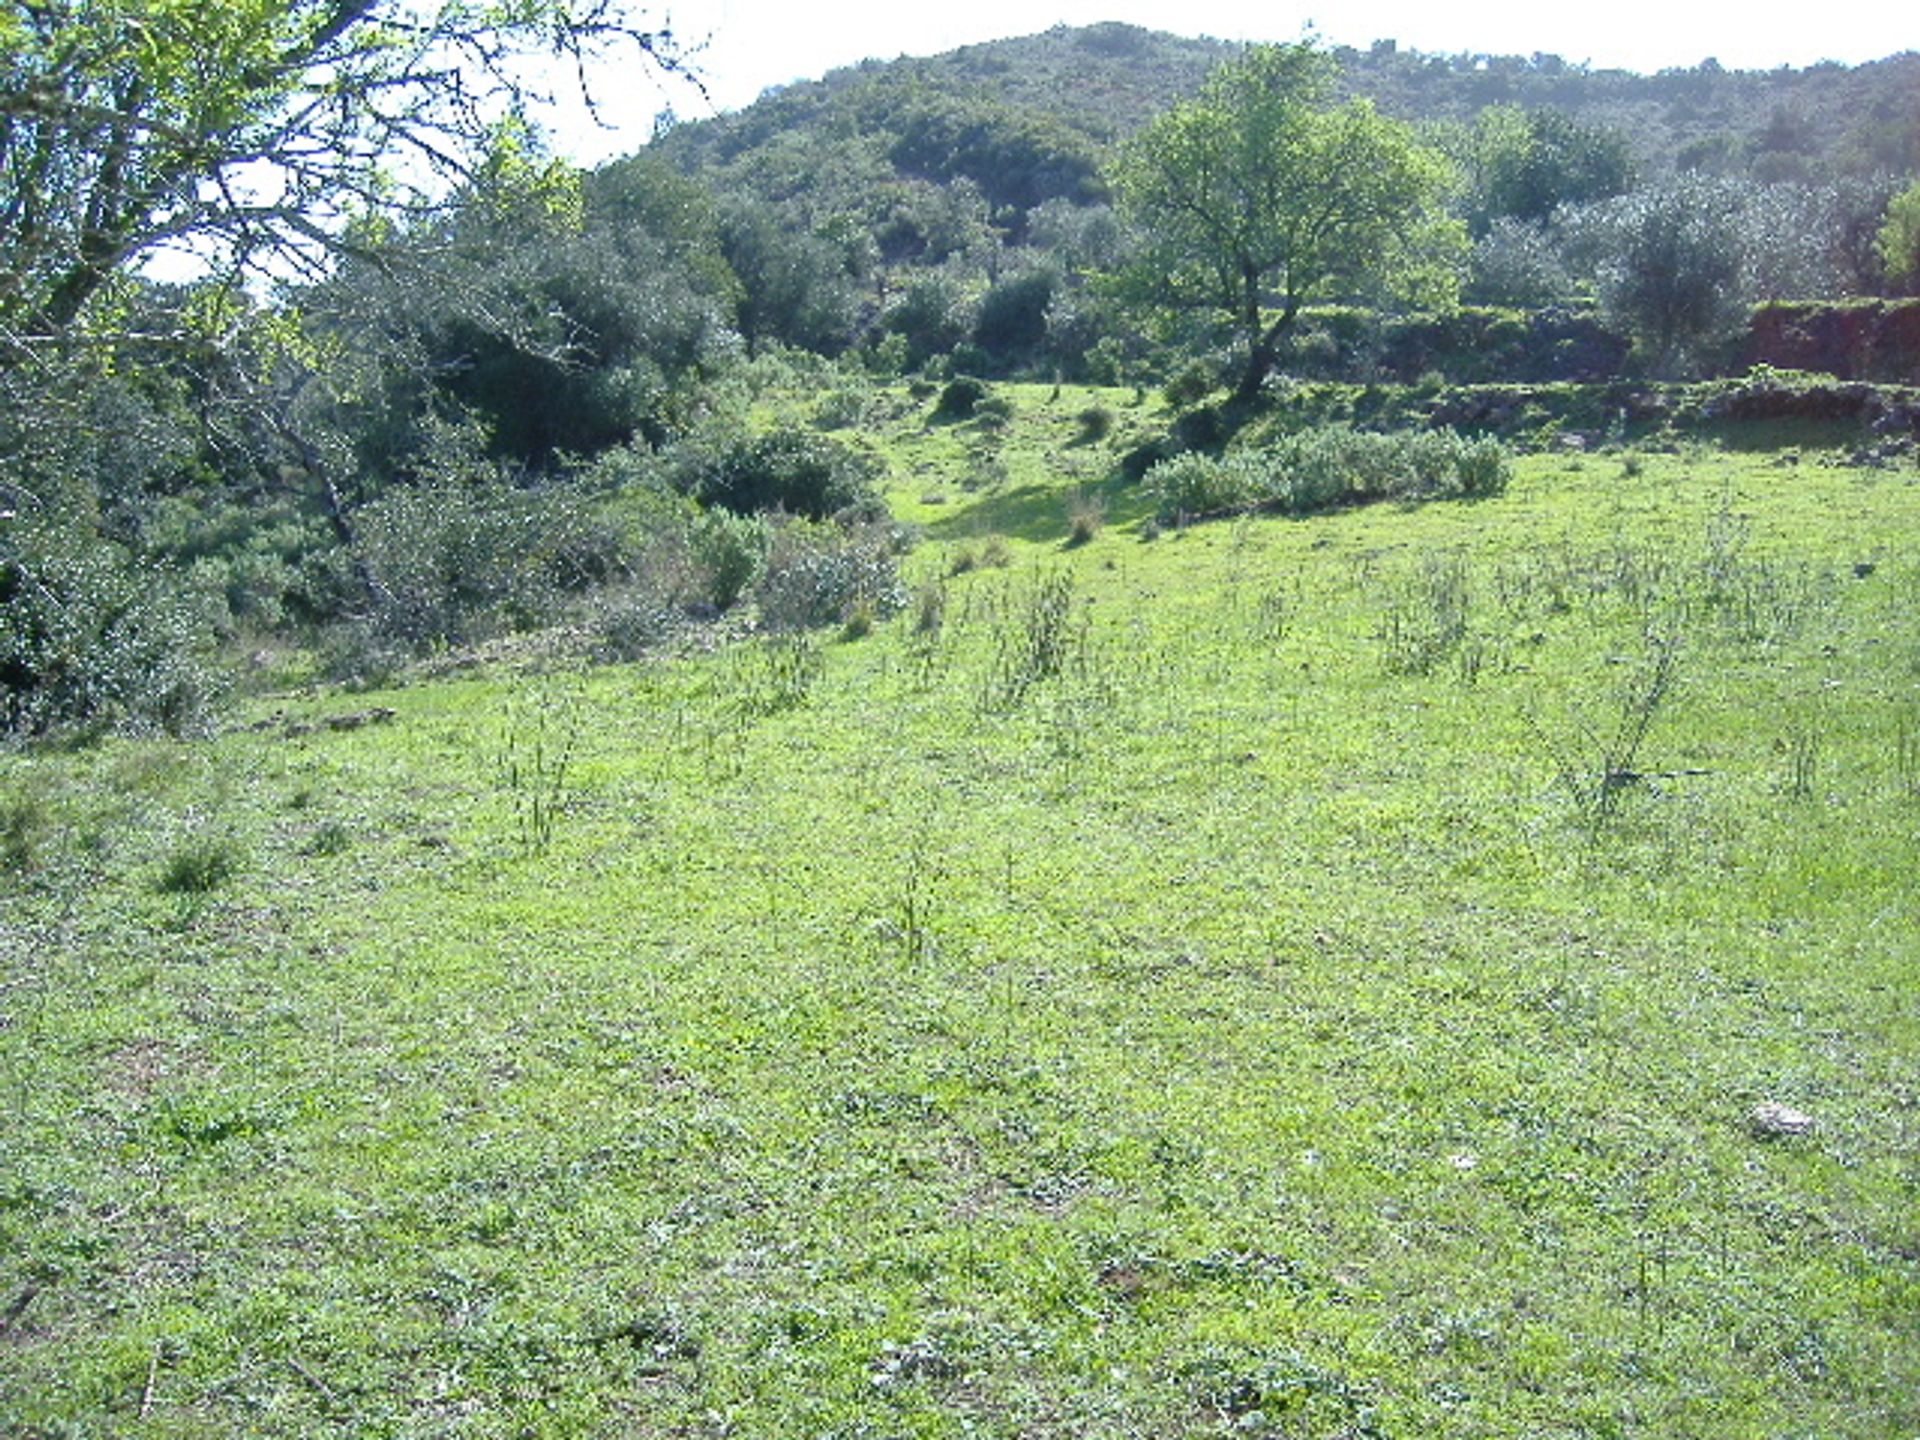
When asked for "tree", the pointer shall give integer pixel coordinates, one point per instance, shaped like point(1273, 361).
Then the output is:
point(1525, 164)
point(1256, 199)
point(1676, 276)
point(1898, 242)
point(249, 128)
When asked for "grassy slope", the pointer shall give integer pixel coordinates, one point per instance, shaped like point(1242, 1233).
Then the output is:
point(1243, 1028)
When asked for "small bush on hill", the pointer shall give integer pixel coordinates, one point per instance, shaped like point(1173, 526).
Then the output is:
point(730, 551)
point(1328, 466)
point(1096, 424)
point(451, 563)
point(788, 469)
point(960, 398)
point(822, 574)
point(201, 863)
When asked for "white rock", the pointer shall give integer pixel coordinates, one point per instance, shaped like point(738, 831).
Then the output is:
point(1771, 1119)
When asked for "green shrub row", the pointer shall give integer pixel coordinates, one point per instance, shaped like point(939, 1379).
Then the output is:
point(1326, 467)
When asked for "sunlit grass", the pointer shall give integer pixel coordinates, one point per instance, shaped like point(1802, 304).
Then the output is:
point(1230, 1028)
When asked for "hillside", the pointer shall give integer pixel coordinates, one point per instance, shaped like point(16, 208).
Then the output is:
point(1103, 81)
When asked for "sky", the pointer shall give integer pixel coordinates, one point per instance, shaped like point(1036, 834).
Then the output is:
point(750, 45)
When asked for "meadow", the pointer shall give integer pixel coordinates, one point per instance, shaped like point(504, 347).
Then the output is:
point(1270, 976)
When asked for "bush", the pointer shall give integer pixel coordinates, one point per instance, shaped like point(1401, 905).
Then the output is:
point(730, 550)
point(451, 563)
point(787, 469)
point(821, 575)
point(89, 637)
point(1096, 424)
point(1326, 466)
point(1193, 484)
point(960, 398)
point(1191, 384)
point(201, 863)
point(26, 824)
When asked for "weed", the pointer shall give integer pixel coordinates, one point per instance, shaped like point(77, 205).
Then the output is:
point(1274, 614)
point(929, 608)
point(1427, 618)
point(1596, 771)
point(1906, 754)
point(1802, 746)
point(860, 620)
point(331, 838)
point(1086, 514)
point(537, 746)
point(26, 823)
point(201, 863)
point(779, 673)
point(1032, 645)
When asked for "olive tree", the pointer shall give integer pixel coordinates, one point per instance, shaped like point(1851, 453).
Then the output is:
point(1258, 197)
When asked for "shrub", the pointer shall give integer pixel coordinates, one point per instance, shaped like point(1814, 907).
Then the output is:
point(819, 575)
point(1096, 423)
point(729, 551)
point(960, 398)
point(1191, 384)
point(1085, 516)
point(26, 822)
point(841, 409)
point(628, 623)
point(787, 469)
point(1327, 466)
point(453, 562)
point(88, 636)
point(201, 863)
point(1195, 484)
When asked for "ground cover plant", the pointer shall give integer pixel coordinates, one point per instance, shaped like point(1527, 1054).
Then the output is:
point(1305, 976)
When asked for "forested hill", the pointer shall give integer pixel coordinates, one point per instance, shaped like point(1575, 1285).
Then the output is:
point(1085, 87)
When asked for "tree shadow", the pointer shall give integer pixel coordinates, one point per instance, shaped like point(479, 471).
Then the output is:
point(1038, 513)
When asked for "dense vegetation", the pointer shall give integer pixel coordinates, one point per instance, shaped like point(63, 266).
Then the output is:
point(1001, 782)
point(480, 416)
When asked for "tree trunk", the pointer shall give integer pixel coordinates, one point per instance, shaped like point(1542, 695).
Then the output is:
point(1263, 353)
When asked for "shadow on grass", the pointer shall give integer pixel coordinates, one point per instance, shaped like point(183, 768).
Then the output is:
point(1038, 513)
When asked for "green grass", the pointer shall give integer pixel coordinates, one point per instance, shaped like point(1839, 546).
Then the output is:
point(1242, 1025)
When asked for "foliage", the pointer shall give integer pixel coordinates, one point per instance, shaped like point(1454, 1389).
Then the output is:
point(460, 559)
point(1522, 165)
point(818, 575)
point(1012, 320)
point(1673, 276)
point(1898, 242)
point(1257, 199)
point(248, 131)
point(1328, 466)
point(88, 636)
point(961, 397)
point(790, 469)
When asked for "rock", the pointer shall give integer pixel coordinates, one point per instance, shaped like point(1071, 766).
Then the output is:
point(1771, 1120)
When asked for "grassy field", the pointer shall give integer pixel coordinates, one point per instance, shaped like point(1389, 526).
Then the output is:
point(1273, 977)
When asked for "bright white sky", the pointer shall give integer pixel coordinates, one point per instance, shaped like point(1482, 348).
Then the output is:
point(753, 44)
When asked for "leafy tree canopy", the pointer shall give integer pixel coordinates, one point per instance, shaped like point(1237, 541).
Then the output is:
point(1898, 242)
point(248, 127)
point(1257, 198)
point(1525, 164)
